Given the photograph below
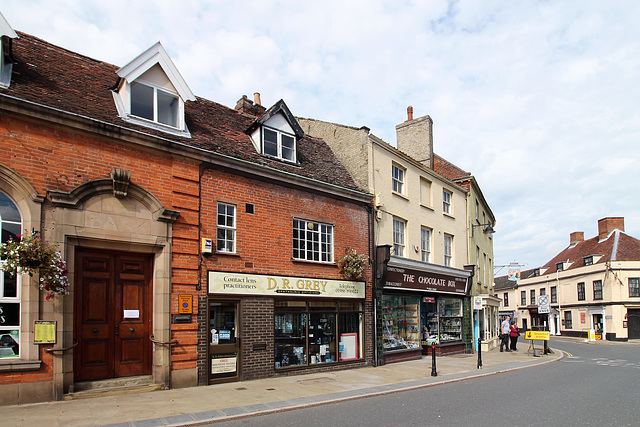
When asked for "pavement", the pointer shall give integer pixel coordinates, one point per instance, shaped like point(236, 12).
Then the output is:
point(222, 402)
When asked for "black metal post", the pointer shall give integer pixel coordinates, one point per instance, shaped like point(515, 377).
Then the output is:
point(479, 353)
point(433, 360)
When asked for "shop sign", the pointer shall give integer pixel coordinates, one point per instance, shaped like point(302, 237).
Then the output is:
point(477, 303)
point(262, 284)
point(405, 278)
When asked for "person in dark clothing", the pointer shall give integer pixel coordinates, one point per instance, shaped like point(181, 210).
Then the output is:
point(513, 335)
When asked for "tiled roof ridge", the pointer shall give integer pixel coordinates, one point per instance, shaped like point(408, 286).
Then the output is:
point(332, 123)
point(463, 173)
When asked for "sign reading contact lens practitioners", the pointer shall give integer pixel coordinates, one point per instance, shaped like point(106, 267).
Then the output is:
point(263, 284)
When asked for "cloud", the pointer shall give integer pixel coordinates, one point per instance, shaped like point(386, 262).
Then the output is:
point(537, 99)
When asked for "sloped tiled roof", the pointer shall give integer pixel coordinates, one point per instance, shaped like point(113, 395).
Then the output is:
point(448, 169)
point(618, 246)
point(55, 77)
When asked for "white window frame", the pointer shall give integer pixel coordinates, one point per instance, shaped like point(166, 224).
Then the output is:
point(17, 299)
point(398, 174)
point(634, 284)
point(399, 237)
point(448, 250)
point(312, 241)
point(179, 114)
point(447, 197)
point(279, 144)
point(425, 243)
point(226, 231)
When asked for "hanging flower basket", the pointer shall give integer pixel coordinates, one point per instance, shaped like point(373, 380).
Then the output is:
point(30, 255)
point(352, 264)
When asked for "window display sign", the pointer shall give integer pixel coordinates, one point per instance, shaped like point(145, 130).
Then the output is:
point(348, 346)
point(405, 278)
point(260, 284)
point(223, 365)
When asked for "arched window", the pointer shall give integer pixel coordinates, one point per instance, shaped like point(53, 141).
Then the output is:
point(11, 225)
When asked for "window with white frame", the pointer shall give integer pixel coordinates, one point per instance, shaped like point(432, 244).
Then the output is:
point(278, 144)
point(597, 289)
point(399, 227)
point(446, 201)
point(543, 291)
point(533, 297)
point(505, 298)
point(554, 294)
point(448, 250)
point(477, 210)
point(478, 264)
point(10, 301)
point(634, 287)
point(312, 241)
point(397, 177)
point(425, 239)
point(226, 241)
point(581, 291)
point(523, 297)
point(155, 104)
point(485, 268)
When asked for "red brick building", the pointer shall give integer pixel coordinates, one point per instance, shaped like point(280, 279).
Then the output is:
point(201, 241)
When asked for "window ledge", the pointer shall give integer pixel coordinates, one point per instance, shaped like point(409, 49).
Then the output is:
point(236, 254)
point(427, 206)
point(402, 196)
point(313, 262)
point(448, 215)
point(17, 365)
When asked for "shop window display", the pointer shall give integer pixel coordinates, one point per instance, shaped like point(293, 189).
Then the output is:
point(401, 327)
point(291, 339)
point(450, 311)
point(316, 332)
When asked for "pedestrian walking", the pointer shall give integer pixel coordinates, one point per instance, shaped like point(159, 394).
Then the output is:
point(513, 335)
point(504, 334)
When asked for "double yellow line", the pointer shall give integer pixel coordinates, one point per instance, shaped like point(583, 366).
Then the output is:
point(567, 353)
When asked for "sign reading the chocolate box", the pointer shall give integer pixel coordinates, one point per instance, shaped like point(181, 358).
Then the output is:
point(262, 284)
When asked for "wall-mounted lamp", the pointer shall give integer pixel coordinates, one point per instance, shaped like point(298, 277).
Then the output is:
point(488, 230)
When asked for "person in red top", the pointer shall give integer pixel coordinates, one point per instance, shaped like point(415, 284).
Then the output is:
point(513, 335)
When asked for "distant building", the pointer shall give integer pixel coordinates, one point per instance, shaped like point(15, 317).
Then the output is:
point(592, 286)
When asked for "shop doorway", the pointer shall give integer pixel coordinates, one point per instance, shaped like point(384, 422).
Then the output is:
point(112, 315)
point(596, 319)
point(224, 341)
point(633, 323)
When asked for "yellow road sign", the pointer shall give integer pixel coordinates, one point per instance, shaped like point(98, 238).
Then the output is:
point(536, 335)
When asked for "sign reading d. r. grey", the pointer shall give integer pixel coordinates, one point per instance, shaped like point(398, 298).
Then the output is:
point(261, 284)
point(405, 278)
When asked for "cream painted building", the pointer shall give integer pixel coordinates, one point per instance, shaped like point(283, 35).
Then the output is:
point(422, 216)
point(593, 287)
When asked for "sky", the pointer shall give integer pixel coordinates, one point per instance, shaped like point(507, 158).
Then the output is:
point(539, 100)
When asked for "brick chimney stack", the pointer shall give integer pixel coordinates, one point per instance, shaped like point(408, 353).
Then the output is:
point(576, 237)
point(607, 225)
point(245, 105)
point(415, 138)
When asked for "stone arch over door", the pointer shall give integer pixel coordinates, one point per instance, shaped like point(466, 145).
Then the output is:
point(103, 214)
point(29, 203)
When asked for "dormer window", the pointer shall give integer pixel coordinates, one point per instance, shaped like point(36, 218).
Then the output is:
point(152, 93)
point(154, 104)
point(588, 260)
point(277, 133)
point(278, 144)
point(560, 266)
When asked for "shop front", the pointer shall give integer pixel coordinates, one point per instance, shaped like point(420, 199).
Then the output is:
point(265, 325)
point(422, 305)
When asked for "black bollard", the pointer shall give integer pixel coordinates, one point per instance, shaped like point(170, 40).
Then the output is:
point(433, 360)
point(479, 353)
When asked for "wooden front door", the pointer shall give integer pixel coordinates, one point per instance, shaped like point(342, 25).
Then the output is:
point(112, 315)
